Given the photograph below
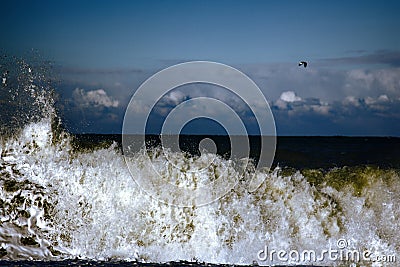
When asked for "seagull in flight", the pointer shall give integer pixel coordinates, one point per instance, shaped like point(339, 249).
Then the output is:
point(303, 63)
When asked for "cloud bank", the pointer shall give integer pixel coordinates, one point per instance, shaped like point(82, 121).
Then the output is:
point(356, 95)
point(95, 98)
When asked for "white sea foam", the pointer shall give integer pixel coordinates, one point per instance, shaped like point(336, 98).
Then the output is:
point(86, 204)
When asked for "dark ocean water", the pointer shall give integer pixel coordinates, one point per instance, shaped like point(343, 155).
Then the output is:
point(299, 152)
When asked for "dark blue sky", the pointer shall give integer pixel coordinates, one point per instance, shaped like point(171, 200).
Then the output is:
point(105, 49)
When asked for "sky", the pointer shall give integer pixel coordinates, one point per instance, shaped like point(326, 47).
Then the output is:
point(104, 50)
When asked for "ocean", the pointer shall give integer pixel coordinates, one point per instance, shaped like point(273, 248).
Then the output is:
point(70, 200)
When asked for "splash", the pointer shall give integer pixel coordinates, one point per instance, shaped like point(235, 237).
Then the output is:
point(59, 202)
point(26, 93)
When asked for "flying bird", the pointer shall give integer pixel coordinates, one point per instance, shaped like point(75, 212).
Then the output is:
point(303, 63)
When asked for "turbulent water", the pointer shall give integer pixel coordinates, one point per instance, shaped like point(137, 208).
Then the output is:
point(59, 201)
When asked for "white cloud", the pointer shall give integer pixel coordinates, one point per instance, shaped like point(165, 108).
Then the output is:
point(327, 83)
point(389, 79)
point(369, 100)
point(289, 96)
point(361, 76)
point(96, 98)
point(351, 100)
point(383, 80)
point(281, 104)
point(292, 104)
point(322, 109)
point(379, 103)
point(174, 97)
point(383, 98)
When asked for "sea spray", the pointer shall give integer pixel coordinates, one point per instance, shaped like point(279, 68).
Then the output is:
point(28, 95)
point(64, 204)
